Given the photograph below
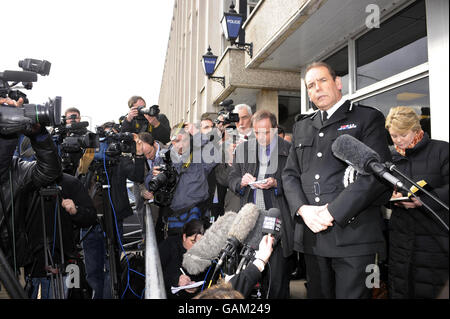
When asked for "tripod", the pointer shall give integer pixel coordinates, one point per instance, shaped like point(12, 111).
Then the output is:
point(108, 223)
point(54, 270)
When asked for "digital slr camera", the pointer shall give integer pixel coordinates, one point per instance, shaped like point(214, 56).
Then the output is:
point(163, 185)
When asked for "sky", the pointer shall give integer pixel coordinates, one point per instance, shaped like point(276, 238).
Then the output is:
point(102, 52)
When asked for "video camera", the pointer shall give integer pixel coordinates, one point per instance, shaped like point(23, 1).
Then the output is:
point(21, 119)
point(228, 116)
point(163, 185)
point(116, 144)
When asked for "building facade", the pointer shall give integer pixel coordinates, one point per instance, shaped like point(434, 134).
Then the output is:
point(388, 52)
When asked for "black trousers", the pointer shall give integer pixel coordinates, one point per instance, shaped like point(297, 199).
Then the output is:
point(337, 277)
point(276, 276)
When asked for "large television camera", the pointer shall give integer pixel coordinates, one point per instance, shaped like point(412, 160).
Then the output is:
point(21, 119)
point(227, 112)
point(163, 185)
point(116, 144)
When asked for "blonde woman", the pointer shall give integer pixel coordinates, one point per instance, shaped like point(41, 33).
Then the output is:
point(418, 244)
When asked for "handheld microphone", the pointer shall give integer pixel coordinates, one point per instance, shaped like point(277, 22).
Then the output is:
point(199, 257)
point(239, 230)
point(269, 222)
point(363, 159)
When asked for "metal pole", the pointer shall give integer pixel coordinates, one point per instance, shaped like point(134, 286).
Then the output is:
point(154, 281)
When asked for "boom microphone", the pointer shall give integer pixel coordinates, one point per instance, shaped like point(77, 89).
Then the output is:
point(199, 257)
point(363, 159)
point(18, 76)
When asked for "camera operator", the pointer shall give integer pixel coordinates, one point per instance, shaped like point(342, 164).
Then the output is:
point(18, 178)
point(77, 210)
point(121, 168)
point(140, 119)
point(191, 194)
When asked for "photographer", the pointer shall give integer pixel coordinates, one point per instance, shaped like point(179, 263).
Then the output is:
point(119, 168)
point(139, 119)
point(190, 195)
point(76, 211)
point(18, 178)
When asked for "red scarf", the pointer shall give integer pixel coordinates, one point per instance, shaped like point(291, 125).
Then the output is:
point(417, 139)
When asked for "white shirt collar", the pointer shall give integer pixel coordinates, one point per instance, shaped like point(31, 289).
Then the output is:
point(335, 107)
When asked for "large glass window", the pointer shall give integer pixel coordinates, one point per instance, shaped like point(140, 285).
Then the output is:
point(398, 45)
point(288, 108)
point(339, 63)
point(415, 94)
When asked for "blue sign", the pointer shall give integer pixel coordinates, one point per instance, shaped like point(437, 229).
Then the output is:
point(209, 63)
point(234, 23)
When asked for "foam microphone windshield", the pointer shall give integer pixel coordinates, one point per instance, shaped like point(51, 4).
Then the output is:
point(355, 153)
point(199, 257)
point(244, 222)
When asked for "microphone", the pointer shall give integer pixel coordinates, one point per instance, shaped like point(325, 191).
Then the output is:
point(199, 257)
point(272, 224)
point(239, 230)
point(77, 125)
point(18, 76)
point(269, 222)
point(363, 159)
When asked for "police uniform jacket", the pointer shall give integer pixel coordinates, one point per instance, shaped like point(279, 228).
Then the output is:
point(314, 176)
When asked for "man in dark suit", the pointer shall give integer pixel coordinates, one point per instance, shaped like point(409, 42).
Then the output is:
point(338, 225)
point(263, 158)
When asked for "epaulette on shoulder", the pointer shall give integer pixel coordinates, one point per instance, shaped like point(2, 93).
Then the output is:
point(373, 108)
point(300, 117)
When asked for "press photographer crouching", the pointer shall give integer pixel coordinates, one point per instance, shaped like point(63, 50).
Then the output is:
point(19, 178)
point(142, 119)
point(120, 158)
point(181, 187)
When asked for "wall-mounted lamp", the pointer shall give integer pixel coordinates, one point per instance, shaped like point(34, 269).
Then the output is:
point(209, 65)
point(231, 25)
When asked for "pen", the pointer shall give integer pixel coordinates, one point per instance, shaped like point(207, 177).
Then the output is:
point(182, 271)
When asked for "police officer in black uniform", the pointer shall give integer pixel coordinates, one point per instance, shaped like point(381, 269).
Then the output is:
point(338, 224)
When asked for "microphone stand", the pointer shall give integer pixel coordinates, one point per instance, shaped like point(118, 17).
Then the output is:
point(392, 168)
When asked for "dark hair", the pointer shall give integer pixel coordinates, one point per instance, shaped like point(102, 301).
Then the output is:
point(193, 227)
point(72, 110)
point(281, 130)
point(134, 99)
point(264, 114)
point(108, 125)
point(321, 64)
point(146, 137)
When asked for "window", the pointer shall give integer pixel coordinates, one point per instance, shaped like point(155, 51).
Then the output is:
point(288, 108)
point(398, 45)
point(251, 4)
point(339, 63)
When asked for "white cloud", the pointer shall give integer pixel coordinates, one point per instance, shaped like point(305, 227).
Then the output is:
point(102, 52)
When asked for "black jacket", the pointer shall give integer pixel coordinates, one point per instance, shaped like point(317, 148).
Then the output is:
point(418, 255)
point(18, 179)
point(314, 176)
point(119, 170)
point(272, 197)
point(71, 188)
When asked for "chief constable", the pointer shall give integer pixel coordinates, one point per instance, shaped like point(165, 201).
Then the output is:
point(338, 228)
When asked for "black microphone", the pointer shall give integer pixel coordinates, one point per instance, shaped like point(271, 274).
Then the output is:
point(269, 222)
point(77, 125)
point(18, 76)
point(363, 159)
point(272, 224)
point(239, 230)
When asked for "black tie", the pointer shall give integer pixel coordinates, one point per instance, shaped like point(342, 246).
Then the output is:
point(324, 116)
